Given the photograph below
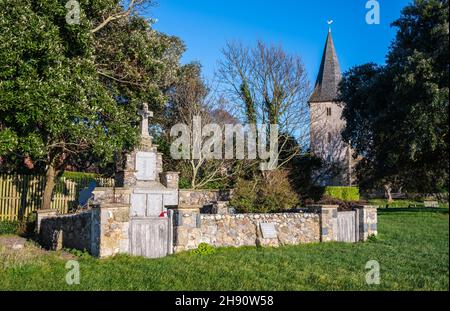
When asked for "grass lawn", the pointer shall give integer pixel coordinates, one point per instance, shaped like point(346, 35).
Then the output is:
point(402, 203)
point(412, 249)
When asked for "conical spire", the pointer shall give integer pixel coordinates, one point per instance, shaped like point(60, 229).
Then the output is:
point(329, 75)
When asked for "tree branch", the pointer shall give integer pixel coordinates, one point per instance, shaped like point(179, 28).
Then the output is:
point(131, 7)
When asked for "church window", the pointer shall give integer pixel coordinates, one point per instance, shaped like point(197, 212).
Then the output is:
point(328, 111)
point(329, 137)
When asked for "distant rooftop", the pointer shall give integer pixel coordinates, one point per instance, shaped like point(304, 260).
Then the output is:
point(329, 75)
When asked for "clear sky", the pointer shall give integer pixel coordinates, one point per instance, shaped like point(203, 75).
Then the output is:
point(299, 25)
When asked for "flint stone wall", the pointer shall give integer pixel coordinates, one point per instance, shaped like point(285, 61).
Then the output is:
point(191, 229)
point(199, 198)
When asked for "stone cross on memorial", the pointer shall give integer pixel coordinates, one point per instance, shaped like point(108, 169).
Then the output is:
point(145, 162)
point(145, 114)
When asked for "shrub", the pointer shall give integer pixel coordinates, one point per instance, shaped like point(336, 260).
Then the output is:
point(244, 196)
point(372, 238)
point(276, 193)
point(342, 193)
point(271, 194)
point(184, 183)
point(9, 227)
point(204, 249)
point(24, 227)
point(78, 253)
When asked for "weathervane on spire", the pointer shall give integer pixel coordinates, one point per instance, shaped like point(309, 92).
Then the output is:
point(329, 22)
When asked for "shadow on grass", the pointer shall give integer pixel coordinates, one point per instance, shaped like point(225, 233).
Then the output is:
point(413, 209)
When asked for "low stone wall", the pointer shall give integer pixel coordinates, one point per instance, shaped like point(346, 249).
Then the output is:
point(313, 224)
point(67, 231)
point(201, 197)
point(105, 229)
point(191, 229)
point(102, 231)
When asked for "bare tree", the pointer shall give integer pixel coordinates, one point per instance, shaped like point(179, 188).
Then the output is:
point(268, 85)
point(191, 98)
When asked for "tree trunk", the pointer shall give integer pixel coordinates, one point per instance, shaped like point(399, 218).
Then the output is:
point(194, 175)
point(50, 175)
point(387, 193)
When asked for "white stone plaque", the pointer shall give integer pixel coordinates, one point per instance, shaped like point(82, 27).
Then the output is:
point(171, 199)
point(146, 166)
point(268, 230)
point(154, 205)
point(138, 205)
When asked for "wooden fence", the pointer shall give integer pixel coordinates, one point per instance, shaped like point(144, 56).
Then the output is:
point(21, 195)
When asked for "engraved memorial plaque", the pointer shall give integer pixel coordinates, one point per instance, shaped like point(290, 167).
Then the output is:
point(154, 205)
point(146, 166)
point(138, 205)
point(268, 230)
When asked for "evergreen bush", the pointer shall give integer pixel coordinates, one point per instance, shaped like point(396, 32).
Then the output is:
point(342, 193)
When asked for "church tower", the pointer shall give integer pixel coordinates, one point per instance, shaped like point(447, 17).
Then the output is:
point(326, 123)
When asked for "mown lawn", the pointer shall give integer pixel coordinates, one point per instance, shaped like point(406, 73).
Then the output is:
point(412, 249)
point(401, 203)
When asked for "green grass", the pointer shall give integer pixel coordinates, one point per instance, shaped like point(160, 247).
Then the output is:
point(412, 249)
point(401, 203)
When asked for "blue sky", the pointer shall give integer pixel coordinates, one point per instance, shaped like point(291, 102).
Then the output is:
point(299, 25)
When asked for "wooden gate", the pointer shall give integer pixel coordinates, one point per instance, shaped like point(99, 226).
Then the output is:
point(347, 224)
point(151, 237)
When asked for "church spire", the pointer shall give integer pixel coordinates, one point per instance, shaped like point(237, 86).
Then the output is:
point(329, 75)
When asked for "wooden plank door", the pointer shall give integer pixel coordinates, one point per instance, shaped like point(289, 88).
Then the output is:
point(150, 237)
point(347, 227)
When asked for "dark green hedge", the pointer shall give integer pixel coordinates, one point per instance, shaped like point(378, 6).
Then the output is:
point(79, 175)
point(342, 193)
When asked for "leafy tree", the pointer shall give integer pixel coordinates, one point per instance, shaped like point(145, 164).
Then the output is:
point(72, 90)
point(397, 114)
